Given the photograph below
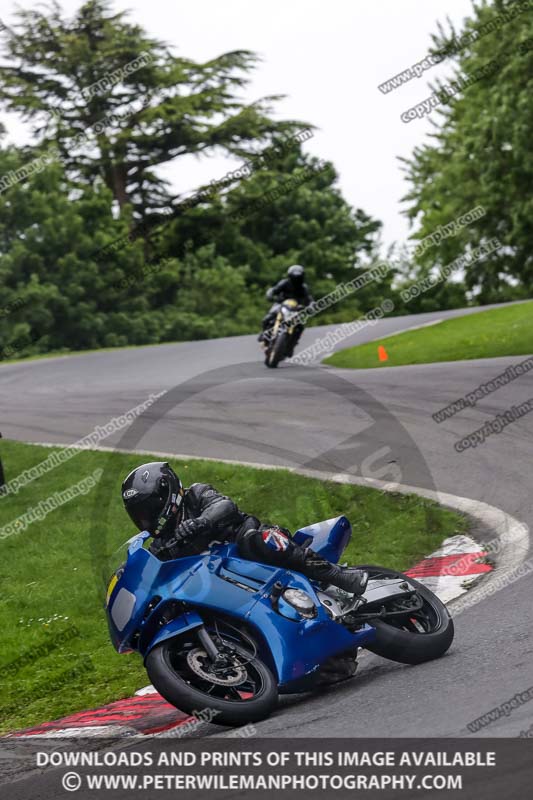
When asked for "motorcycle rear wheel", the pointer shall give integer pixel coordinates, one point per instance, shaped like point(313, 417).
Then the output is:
point(249, 694)
point(423, 636)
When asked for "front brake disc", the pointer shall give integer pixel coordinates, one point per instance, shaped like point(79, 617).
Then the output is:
point(196, 659)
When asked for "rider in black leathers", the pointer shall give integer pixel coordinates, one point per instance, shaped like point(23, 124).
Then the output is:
point(186, 521)
point(292, 287)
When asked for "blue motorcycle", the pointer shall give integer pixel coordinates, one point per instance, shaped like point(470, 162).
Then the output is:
point(220, 632)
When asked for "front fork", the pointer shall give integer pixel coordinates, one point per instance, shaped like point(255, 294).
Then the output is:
point(208, 644)
point(220, 658)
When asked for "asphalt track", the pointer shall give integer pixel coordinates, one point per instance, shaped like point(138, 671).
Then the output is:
point(221, 402)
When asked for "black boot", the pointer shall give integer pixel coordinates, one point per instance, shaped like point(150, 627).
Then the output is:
point(313, 566)
point(349, 579)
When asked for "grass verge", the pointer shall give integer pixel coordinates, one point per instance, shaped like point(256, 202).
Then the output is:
point(52, 575)
point(506, 331)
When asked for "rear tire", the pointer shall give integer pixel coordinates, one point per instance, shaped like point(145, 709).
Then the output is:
point(180, 693)
point(409, 647)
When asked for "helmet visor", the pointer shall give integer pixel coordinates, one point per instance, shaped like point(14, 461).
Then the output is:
point(145, 514)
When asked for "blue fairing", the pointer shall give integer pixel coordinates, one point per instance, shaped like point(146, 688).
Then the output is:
point(329, 538)
point(154, 600)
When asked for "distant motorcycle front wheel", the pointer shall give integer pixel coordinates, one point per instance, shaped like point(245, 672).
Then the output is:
point(237, 690)
point(278, 350)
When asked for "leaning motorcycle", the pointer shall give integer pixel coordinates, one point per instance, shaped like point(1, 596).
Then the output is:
point(280, 341)
point(220, 632)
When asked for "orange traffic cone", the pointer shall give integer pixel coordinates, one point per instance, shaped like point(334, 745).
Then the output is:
point(382, 353)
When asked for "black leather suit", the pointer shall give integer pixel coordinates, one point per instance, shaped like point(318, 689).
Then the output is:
point(287, 289)
point(212, 517)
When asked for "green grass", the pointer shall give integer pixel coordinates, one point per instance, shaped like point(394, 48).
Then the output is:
point(506, 331)
point(53, 575)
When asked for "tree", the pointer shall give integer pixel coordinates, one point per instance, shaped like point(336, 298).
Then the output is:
point(118, 104)
point(481, 153)
point(57, 296)
point(288, 210)
point(75, 275)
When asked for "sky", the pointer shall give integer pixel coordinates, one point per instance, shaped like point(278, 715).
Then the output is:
point(327, 57)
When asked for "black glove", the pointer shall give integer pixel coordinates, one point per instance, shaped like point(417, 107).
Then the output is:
point(189, 529)
point(184, 533)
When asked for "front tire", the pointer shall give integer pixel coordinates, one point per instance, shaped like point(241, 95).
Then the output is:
point(167, 669)
point(278, 350)
point(424, 637)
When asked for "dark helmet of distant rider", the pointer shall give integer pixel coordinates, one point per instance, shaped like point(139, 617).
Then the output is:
point(296, 275)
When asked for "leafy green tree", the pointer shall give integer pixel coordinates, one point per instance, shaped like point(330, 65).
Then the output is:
point(47, 232)
point(289, 210)
point(481, 153)
point(118, 104)
point(199, 271)
point(57, 296)
point(449, 294)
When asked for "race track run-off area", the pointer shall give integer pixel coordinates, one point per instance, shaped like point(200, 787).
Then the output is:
point(371, 426)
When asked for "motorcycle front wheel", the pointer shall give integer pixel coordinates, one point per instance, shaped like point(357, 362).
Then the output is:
point(416, 636)
point(239, 691)
point(278, 350)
